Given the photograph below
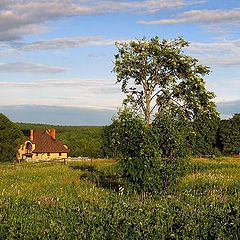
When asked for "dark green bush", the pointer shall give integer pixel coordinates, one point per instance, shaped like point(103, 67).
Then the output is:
point(151, 175)
point(175, 134)
point(140, 164)
point(229, 135)
point(10, 139)
point(205, 127)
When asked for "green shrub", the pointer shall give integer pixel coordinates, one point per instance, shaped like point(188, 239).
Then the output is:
point(141, 165)
point(10, 139)
point(229, 135)
point(206, 128)
point(151, 175)
point(175, 134)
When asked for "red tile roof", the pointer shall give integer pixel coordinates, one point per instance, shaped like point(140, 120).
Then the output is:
point(45, 143)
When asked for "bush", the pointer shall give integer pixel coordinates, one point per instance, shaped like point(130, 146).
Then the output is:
point(229, 135)
point(10, 139)
point(175, 134)
point(140, 164)
point(206, 128)
point(151, 175)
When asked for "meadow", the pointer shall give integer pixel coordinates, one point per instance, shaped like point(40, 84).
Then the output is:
point(84, 201)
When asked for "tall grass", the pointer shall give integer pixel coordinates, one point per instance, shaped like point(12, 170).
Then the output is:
point(55, 201)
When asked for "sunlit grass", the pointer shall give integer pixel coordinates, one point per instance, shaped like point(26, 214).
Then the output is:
point(42, 181)
point(37, 181)
point(52, 201)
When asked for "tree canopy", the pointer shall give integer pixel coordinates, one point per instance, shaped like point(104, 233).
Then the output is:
point(156, 75)
point(166, 86)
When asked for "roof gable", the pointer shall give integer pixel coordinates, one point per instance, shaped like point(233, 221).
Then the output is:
point(45, 142)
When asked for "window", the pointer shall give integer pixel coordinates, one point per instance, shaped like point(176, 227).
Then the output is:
point(29, 147)
point(36, 154)
point(48, 154)
point(60, 154)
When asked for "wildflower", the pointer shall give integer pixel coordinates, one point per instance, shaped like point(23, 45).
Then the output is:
point(120, 190)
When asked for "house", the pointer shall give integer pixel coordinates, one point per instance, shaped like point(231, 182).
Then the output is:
point(42, 144)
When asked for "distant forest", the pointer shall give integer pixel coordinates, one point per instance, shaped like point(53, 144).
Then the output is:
point(95, 141)
point(212, 139)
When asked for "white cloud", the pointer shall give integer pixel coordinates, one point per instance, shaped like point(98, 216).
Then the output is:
point(61, 43)
point(201, 16)
point(21, 17)
point(72, 93)
point(92, 85)
point(224, 53)
point(30, 67)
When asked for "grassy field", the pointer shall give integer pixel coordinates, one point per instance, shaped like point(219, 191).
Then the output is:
point(79, 201)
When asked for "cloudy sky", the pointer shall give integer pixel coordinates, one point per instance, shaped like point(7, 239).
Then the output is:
point(56, 56)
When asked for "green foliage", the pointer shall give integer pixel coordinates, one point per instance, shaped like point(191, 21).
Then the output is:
point(123, 219)
point(229, 135)
point(157, 73)
point(127, 133)
point(205, 127)
point(151, 175)
point(140, 163)
point(10, 139)
point(50, 201)
point(180, 137)
point(175, 134)
point(82, 140)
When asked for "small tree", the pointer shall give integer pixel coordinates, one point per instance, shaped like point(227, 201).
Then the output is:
point(126, 133)
point(10, 139)
point(155, 74)
point(140, 165)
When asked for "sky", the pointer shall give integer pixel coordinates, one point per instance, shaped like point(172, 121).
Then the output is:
point(56, 57)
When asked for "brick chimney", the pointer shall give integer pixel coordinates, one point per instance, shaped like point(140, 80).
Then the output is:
point(52, 133)
point(31, 135)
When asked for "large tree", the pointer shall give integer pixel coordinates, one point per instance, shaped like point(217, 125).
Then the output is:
point(156, 74)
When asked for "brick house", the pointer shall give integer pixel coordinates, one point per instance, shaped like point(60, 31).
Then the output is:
point(42, 144)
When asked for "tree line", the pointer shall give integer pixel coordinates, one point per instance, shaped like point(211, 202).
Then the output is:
point(212, 137)
point(204, 137)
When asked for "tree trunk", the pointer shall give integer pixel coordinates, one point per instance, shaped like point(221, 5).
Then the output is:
point(147, 110)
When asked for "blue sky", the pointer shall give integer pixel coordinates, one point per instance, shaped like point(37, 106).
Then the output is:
point(56, 57)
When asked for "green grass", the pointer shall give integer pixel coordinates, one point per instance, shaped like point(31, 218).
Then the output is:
point(56, 201)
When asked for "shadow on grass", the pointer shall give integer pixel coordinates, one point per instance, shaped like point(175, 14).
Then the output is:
point(100, 178)
point(89, 168)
